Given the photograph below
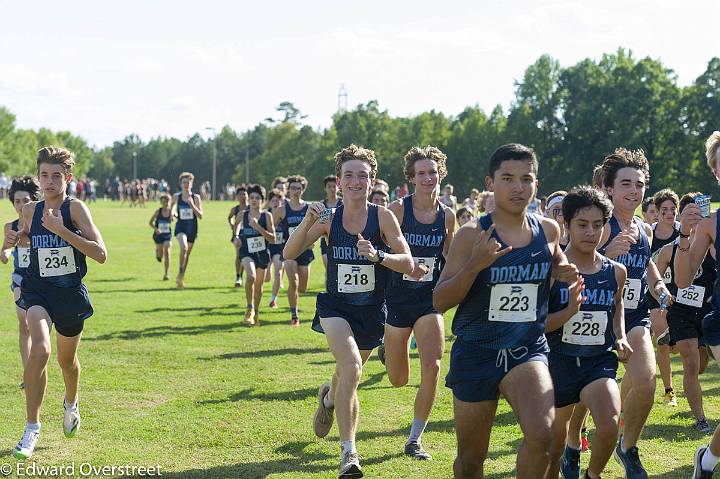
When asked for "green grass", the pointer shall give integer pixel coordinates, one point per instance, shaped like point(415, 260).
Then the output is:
point(174, 378)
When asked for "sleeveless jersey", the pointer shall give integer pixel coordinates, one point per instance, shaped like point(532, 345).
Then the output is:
point(52, 259)
point(292, 219)
point(694, 298)
point(657, 245)
point(187, 221)
point(426, 245)
point(252, 240)
point(716, 287)
point(507, 304)
point(590, 331)
point(635, 293)
point(21, 254)
point(352, 278)
point(162, 223)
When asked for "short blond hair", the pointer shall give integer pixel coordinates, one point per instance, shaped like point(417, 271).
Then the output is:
point(711, 149)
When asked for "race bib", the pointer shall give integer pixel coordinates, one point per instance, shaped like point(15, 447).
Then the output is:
point(291, 229)
point(513, 303)
point(23, 256)
point(255, 244)
point(586, 328)
point(186, 213)
point(691, 296)
point(430, 263)
point(631, 293)
point(56, 261)
point(355, 278)
point(278, 237)
point(164, 228)
point(667, 277)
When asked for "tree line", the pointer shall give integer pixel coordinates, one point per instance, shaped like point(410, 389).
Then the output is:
point(572, 116)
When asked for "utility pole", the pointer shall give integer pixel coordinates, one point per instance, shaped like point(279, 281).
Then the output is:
point(214, 163)
point(247, 166)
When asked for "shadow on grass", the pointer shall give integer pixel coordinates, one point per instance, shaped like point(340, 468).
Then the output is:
point(167, 289)
point(162, 331)
point(249, 394)
point(111, 280)
point(268, 353)
point(301, 461)
point(197, 309)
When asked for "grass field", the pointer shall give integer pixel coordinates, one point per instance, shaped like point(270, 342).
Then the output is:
point(175, 378)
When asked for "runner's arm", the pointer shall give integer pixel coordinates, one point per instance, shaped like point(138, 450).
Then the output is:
point(91, 243)
point(689, 257)
point(400, 259)
point(306, 233)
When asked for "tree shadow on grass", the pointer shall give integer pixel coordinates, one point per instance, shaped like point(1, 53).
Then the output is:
point(196, 309)
point(250, 394)
point(167, 289)
point(268, 353)
point(111, 280)
point(682, 471)
point(300, 461)
point(162, 331)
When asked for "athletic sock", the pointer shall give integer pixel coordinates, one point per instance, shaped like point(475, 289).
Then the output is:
point(237, 276)
point(418, 427)
point(273, 297)
point(348, 446)
point(250, 306)
point(708, 460)
point(70, 406)
point(622, 445)
point(293, 312)
point(33, 426)
point(668, 390)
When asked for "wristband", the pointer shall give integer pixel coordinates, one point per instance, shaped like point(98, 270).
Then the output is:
point(656, 283)
point(682, 235)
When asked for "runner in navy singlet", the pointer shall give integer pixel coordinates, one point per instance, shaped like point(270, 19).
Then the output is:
point(276, 198)
point(626, 239)
point(664, 231)
point(234, 217)
point(331, 201)
point(428, 226)
point(351, 312)
point(585, 323)
point(187, 208)
point(498, 273)
point(288, 217)
point(22, 191)
point(255, 230)
point(688, 259)
point(62, 234)
point(685, 318)
point(161, 223)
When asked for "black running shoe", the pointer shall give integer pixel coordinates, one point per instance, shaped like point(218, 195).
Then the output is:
point(415, 450)
point(630, 461)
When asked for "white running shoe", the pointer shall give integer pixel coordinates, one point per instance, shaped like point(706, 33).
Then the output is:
point(71, 420)
point(26, 446)
point(350, 466)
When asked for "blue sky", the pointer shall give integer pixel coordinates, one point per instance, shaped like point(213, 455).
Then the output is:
point(171, 68)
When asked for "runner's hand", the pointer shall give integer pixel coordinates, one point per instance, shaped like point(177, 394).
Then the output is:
point(575, 297)
point(313, 212)
point(366, 249)
point(419, 270)
point(486, 249)
point(52, 220)
point(623, 349)
point(620, 245)
point(689, 218)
